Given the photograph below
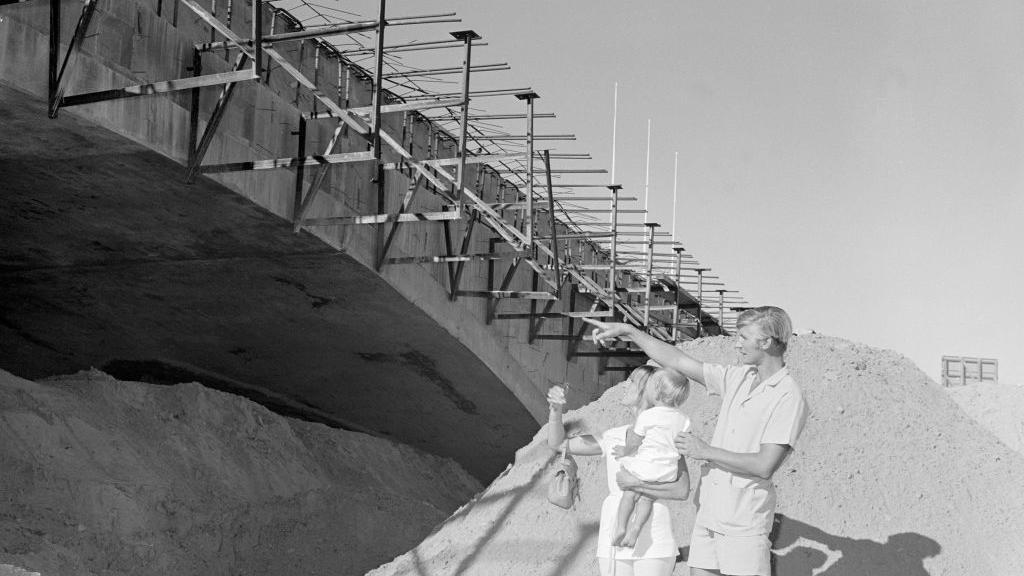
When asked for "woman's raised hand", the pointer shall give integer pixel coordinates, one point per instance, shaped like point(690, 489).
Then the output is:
point(556, 398)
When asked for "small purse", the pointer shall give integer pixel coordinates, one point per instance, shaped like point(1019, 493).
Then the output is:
point(564, 484)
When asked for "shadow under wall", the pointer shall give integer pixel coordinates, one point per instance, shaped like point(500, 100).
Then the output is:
point(800, 549)
point(108, 260)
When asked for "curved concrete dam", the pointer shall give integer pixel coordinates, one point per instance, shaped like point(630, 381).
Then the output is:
point(111, 260)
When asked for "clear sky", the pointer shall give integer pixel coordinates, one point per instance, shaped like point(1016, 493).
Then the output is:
point(860, 164)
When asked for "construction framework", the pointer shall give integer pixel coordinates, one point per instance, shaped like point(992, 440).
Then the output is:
point(569, 239)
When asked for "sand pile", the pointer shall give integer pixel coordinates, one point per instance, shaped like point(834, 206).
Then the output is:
point(997, 407)
point(105, 477)
point(891, 479)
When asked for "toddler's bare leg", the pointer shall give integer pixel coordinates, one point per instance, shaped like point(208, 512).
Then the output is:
point(626, 504)
point(641, 513)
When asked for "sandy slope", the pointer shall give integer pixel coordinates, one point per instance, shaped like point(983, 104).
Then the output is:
point(891, 478)
point(997, 407)
point(107, 477)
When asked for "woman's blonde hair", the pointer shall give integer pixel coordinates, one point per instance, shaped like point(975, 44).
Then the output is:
point(656, 386)
point(639, 377)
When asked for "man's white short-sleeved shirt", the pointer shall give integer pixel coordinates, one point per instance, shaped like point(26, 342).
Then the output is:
point(752, 413)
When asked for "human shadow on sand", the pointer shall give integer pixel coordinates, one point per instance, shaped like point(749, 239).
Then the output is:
point(799, 549)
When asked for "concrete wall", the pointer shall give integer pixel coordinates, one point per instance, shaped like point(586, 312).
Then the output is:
point(138, 41)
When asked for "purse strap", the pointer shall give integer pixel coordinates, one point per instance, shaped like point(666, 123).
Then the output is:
point(565, 447)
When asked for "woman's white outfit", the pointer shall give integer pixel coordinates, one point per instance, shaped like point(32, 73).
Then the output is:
point(656, 540)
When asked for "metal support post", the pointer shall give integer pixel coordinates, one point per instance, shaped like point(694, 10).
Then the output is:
point(300, 169)
point(650, 272)
point(700, 300)
point(529, 97)
point(54, 53)
point(614, 188)
point(554, 226)
point(257, 40)
point(377, 79)
point(721, 310)
point(675, 315)
point(467, 36)
point(193, 123)
point(378, 96)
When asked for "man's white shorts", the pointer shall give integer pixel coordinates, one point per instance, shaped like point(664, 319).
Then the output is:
point(732, 555)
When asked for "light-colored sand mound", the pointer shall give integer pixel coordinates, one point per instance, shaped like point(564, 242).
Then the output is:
point(105, 477)
point(997, 407)
point(891, 478)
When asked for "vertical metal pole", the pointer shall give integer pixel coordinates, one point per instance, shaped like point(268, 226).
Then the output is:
point(700, 301)
point(529, 171)
point(615, 122)
point(377, 79)
point(467, 36)
point(54, 54)
point(721, 310)
point(257, 39)
point(299, 170)
point(650, 273)
point(554, 227)
point(675, 315)
point(529, 97)
point(647, 171)
point(611, 268)
point(378, 96)
point(193, 125)
point(675, 194)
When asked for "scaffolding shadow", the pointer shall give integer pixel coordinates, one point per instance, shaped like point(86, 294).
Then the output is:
point(800, 549)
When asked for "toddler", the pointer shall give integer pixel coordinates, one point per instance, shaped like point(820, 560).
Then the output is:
point(650, 453)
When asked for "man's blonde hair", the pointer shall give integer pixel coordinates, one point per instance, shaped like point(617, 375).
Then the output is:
point(773, 322)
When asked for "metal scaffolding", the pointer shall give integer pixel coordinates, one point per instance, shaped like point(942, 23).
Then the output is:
point(576, 252)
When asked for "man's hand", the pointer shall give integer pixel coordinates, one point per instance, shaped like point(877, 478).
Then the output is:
point(622, 450)
point(692, 446)
point(627, 481)
point(605, 332)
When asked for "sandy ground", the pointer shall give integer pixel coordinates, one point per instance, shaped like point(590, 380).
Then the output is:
point(101, 477)
point(891, 478)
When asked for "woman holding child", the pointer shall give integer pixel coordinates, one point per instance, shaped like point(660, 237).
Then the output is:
point(646, 546)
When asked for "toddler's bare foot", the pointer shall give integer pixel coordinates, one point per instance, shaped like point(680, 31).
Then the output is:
point(629, 538)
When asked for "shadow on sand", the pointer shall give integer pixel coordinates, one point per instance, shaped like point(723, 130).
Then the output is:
point(799, 549)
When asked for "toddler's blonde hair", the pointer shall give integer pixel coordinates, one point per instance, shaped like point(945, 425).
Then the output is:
point(666, 387)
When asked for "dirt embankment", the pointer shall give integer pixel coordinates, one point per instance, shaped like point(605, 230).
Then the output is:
point(101, 477)
point(997, 407)
point(890, 478)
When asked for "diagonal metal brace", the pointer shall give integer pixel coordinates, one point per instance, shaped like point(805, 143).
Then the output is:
point(196, 157)
point(60, 84)
point(406, 202)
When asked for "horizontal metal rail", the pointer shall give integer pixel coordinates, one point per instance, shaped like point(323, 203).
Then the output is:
point(383, 218)
point(316, 160)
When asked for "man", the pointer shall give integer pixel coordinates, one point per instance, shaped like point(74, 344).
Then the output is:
point(763, 412)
